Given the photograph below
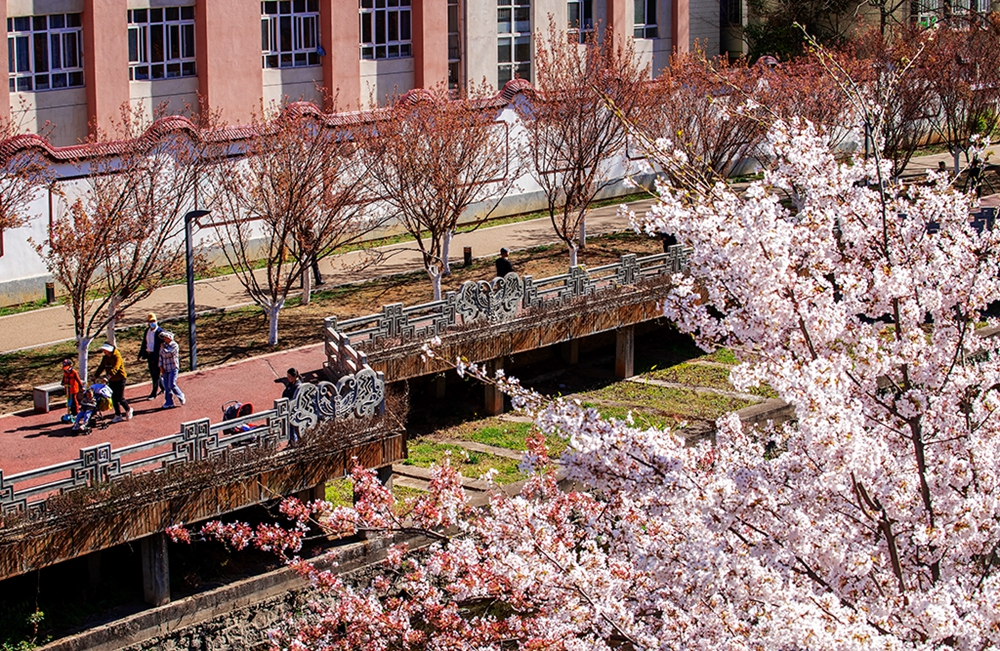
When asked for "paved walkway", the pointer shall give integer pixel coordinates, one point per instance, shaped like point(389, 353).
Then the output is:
point(54, 324)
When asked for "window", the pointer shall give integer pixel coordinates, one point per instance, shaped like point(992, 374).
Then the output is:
point(289, 33)
point(513, 40)
point(581, 18)
point(45, 52)
point(161, 43)
point(645, 19)
point(385, 29)
point(454, 45)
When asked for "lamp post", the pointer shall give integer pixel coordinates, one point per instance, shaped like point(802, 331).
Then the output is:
point(190, 217)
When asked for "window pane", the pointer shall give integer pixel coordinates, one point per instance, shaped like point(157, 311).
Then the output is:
point(74, 20)
point(156, 15)
point(71, 50)
point(380, 27)
point(40, 23)
point(133, 45)
point(285, 34)
point(404, 27)
point(156, 48)
point(42, 52)
point(187, 40)
point(173, 13)
point(366, 28)
point(57, 21)
point(503, 21)
point(393, 19)
point(187, 13)
point(503, 50)
point(22, 54)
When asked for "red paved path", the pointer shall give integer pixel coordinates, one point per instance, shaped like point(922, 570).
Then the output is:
point(29, 441)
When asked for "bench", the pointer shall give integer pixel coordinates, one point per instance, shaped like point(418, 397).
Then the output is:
point(42, 394)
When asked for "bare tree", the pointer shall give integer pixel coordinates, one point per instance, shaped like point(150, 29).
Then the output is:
point(291, 194)
point(882, 74)
point(116, 243)
point(574, 129)
point(961, 66)
point(431, 158)
point(711, 110)
point(23, 170)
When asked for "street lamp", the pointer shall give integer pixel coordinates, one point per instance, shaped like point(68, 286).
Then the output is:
point(190, 217)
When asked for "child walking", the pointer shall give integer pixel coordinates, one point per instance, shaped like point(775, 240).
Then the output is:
point(71, 382)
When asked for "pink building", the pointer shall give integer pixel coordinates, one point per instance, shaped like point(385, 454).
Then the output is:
point(73, 63)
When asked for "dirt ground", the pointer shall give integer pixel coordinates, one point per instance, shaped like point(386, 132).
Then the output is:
point(240, 333)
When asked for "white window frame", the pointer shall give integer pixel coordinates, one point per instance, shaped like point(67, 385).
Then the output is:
point(175, 56)
point(32, 59)
point(386, 29)
point(581, 24)
point(644, 27)
point(513, 40)
point(299, 46)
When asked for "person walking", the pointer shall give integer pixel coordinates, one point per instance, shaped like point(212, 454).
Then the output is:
point(503, 264)
point(170, 363)
point(292, 382)
point(113, 366)
point(150, 352)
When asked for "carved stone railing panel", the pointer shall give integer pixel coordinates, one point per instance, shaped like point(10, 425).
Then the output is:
point(495, 301)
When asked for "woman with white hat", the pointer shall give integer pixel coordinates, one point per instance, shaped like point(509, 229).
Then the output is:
point(114, 367)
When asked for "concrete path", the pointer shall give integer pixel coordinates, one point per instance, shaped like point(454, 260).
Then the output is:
point(55, 324)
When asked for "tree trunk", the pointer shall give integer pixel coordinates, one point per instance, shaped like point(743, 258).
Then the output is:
point(572, 254)
point(583, 233)
point(445, 252)
point(435, 275)
point(306, 284)
point(955, 154)
point(82, 356)
point(272, 323)
point(112, 319)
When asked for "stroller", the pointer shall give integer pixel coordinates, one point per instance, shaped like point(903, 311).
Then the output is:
point(233, 410)
point(94, 402)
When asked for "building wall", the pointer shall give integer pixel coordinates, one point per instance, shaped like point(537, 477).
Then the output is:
point(705, 26)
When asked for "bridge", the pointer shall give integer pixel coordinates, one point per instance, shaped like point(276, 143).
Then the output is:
point(108, 495)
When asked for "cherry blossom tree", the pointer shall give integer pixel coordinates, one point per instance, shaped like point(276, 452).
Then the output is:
point(870, 521)
point(573, 138)
point(117, 240)
point(294, 193)
point(431, 157)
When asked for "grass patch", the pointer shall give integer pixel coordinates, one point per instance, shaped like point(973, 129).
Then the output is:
point(677, 403)
point(501, 434)
point(340, 492)
point(702, 375)
point(424, 453)
point(640, 419)
point(722, 356)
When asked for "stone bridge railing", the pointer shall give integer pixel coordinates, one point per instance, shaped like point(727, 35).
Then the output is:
point(354, 395)
point(500, 300)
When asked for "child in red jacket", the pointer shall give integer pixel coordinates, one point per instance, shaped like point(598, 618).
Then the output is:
point(71, 382)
